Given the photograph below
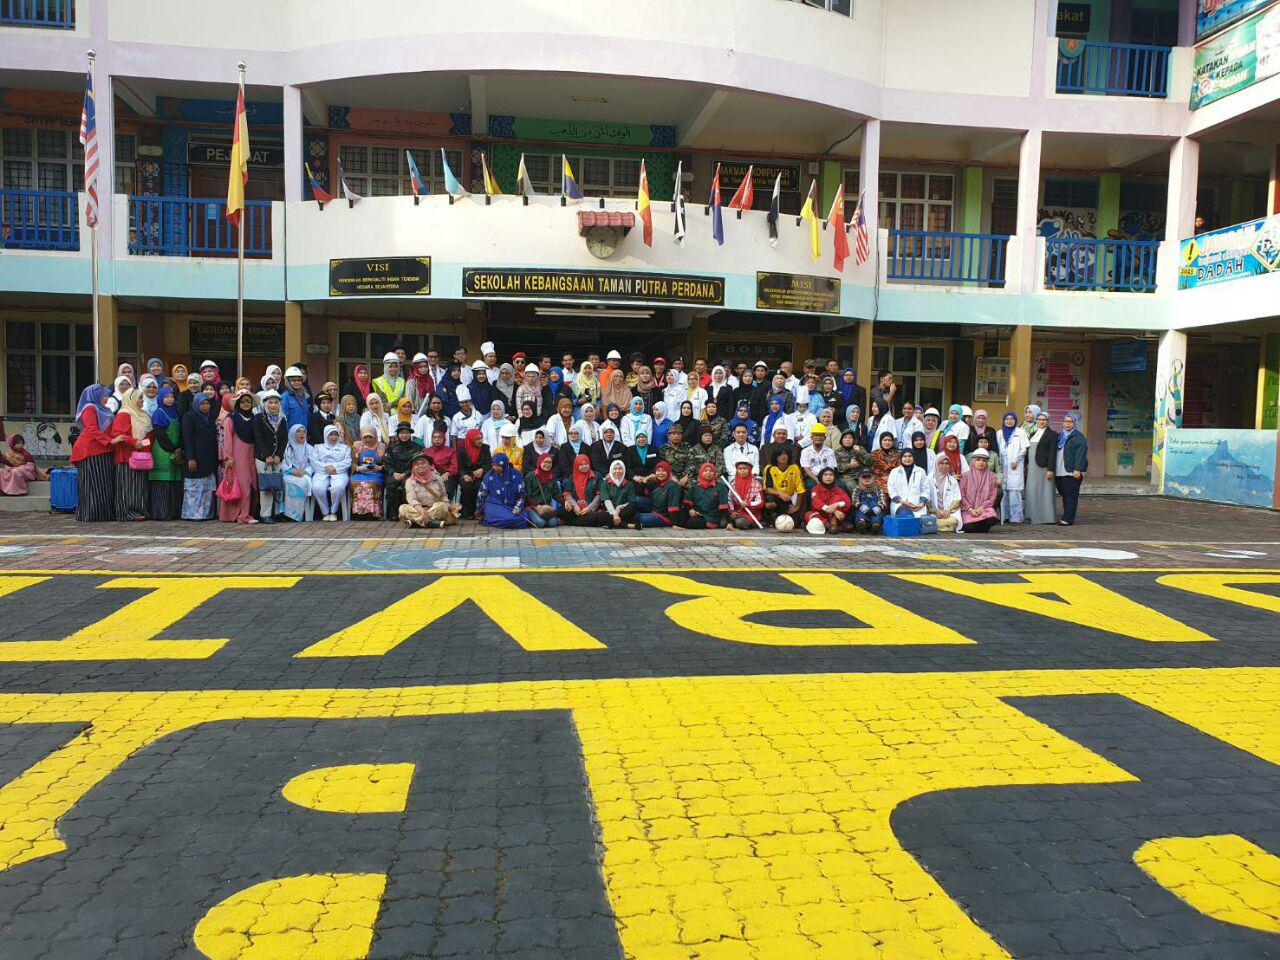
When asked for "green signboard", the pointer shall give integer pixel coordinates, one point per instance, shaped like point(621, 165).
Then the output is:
point(215, 336)
point(609, 132)
point(1237, 58)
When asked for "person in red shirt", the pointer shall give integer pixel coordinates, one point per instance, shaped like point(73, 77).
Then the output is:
point(829, 503)
point(131, 435)
point(444, 457)
point(92, 454)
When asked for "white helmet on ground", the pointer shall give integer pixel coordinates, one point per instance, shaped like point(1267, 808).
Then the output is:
point(816, 526)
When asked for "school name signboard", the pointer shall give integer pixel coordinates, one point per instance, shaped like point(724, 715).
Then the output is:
point(1244, 250)
point(380, 277)
point(1237, 58)
point(794, 291)
point(592, 285)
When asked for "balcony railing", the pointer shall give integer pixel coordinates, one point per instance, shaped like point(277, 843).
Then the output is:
point(922, 255)
point(39, 220)
point(1116, 265)
point(38, 13)
point(1114, 69)
point(183, 227)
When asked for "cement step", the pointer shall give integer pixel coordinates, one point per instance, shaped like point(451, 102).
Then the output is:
point(37, 498)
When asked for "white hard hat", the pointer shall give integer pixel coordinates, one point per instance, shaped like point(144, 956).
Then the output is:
point(268, 394)
point(419, 358)
point(479, 365)
point(462, 393)
point(614, 355)
point(507, 430)
point(816, 526)
point(292, 372)
point(487, 347)
point(208, 363)
point(531, 368)
point(966, 411)
point(391, 358)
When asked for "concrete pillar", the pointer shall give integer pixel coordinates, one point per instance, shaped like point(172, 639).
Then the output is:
point(293, 155)
point(1108, 203)
point(1020, 368)
point(1265, 417)
point(866, 373)
point(293, 333)
point(474, 330)
point(1180, 209)
point(869, 183)
point(699, 338)
point(1029, 204)
point(1171, 365)
point(1273, 184)
point(1187, 22)
point(108, 338)
point(971, 200)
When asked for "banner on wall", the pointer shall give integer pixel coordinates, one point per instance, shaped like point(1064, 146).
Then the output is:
point(1230, 466)
point(1244, 250)
point(1237, 58)
point(1058, 383)
point(1215, 15)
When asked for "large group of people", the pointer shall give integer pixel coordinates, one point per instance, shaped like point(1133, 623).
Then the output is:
point(529, 442)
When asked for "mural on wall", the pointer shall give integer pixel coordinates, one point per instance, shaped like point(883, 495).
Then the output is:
point(1233, 466)
point(1168, 414)
point(1069, 223)
point(46, 439)
point(1138, 225)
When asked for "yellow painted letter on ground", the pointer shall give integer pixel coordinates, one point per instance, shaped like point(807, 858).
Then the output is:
point(1225, 877)
point(352, 788)
point(723, 611)
point(525, 618)
point(129, 633)
point(330, 915)
point(1224, 586)
point(1072, 599)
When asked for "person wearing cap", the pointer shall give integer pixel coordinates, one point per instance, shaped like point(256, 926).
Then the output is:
point(804, 418)
point(390, 386)
point(532, 391)
point(420, 383)
point(509, 447)
point(401, 452)
point(481, 389)
point(324, 414)
point(612, 364)
point(270, 438)
point(932, 428)
point(209, 373)
point(426, 500)
point(467, 417)
point(489, 356)
point(817, 456)
point(659, 366)
point(295, 399)
point(869, 504)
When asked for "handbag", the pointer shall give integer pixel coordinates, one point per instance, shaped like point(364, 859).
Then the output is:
point(271, 482)
point(141, 460)
point(928, 524)
point(229, 489)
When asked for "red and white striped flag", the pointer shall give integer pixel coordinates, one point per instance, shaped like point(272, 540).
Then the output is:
point(861, 242)
point(89, 140)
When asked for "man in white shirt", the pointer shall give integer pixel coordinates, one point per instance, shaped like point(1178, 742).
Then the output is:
point(817, 456)
point(464, 367)
point(467, 417)
point(490, 357)
point(741, 451)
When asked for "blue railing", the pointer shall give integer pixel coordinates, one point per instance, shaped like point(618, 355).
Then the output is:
point(38, 13)
point(1116, 69)
point(183, 227)
point(1084, 264)
point(39, 220)
point(925, 255)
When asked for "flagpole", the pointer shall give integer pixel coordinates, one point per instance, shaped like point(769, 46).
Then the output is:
point(93, 258)
point(240, 272)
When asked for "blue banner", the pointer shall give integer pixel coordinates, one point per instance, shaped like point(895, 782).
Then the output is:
point(1244, 250)
point(1213, 15)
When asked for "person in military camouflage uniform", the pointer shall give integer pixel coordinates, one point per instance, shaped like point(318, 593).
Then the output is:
point(680, 456)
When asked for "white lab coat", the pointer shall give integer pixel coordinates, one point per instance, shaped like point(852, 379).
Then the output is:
point(1013, 458)
point(632, 425)
point(915, 489)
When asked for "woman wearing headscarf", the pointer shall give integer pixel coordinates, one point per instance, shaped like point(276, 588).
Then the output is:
point(375, 418)
point(851, 459)
point(164, 485)
point(296, 468)
point(618, 496)
point(1071, 463)
point(925, 457)
point(349, 420)
point(908, 487)
point(641, 458)
point(711, 417)
point(178, 375)
point(993, 462)
point(954, 425)
point(742, 417)
point(209, 374)
point(557, 387)
point(401, 452)
point(481, 389)
point(542, 493)
point(491, 426)
point(944, 502)
point(706, 500)
point(636, 422)
point(1013, 461)
point(419, 385)
point(126, 370)
point(1042, 453)
point(613, 414)
point(720, 391)
point(580, 501)
point(589, 423)
point(615, 392)
point(538, 446)
point(504, 388)
point(92, 454)
point(980, 429)
point(390, 386)
point(132, 425)
point(155, 370)
point(18, 468)
point(367, 476)
point(586, 387)
point(666, 500)
point(358, 385)
point(510, 447)
point(444, 458)
point(559, 422)
point(675, 393)
point(432, 419)
point(529, 422)
point(978, 495)
point(447, 390)
point(426, 500)
point(150, 388)
point(200, 447)
point(500, 503)
point(473, 463)
point(607, 449)
point(850, 391)
point(661, 425)
point(951, 450)
point(238, 456)
point(687, 418)
point(323, 415)
point(829, 503)
point(569, 451)
point(1029, 414)
point(193, 387)
point(330, 467)
point(270, 438)
point(884, 460)
point(122, 385)
point(853, 423)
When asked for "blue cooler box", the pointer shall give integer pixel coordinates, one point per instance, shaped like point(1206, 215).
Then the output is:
point(901, 527)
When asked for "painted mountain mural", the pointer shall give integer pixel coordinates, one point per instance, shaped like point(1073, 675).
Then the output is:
point(1205, 472)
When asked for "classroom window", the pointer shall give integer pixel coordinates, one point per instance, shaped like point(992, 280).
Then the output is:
point(376, 171)
point(911, 200)
point(370, 346)
point(844, 7)
point(918, 370)
point(49, 363)
point(52, 159)
point(597, 176)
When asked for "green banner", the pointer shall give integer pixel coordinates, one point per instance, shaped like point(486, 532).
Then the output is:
point(1237, 58)
point(604, 132)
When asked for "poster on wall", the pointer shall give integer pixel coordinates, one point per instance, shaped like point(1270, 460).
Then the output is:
point(991, 379)
point(1058, 379)
point(1214, 15)
point(48, 439)
point(1244, 250)
point(1236, 58)
point(1131, 397)
point(1230, 466)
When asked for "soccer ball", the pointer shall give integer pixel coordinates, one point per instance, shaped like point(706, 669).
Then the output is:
point(784, 523)
point(816, 526)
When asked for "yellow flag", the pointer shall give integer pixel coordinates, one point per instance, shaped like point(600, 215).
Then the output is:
point(239, 174)
point(808, 212)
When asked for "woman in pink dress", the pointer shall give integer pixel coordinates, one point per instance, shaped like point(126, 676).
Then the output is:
point(237, 453)
point(17, 469)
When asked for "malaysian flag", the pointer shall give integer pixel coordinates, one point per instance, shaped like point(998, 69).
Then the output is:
point(89, 140)
point(861, 242)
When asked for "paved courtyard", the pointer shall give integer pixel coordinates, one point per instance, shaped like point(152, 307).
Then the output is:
point(349, 741)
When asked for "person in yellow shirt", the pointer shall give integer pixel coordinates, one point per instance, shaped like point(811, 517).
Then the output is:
point(783, 488)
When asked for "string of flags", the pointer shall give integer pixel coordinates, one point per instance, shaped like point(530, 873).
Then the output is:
point(743, 199)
